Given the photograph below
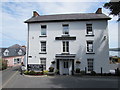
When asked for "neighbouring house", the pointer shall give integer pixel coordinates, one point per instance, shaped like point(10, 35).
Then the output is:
point(68, 41)
point(14, 54)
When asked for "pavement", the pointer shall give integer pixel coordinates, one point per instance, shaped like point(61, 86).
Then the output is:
point(15, 80)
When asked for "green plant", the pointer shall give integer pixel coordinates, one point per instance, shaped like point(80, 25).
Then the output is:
point(45, 72)
point(77, 70)
point(32, 72)
point(82, 72)
point(26, 72)
point(4, 64)
point(93, 73)
point(51, 69)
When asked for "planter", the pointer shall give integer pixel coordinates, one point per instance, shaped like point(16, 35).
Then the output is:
point(78, 62)
point(53, 62)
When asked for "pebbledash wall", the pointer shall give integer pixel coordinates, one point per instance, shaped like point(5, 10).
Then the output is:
point(78, 47)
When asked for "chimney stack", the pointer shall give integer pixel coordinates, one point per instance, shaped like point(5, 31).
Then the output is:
point(99, 11)
point(35, 14)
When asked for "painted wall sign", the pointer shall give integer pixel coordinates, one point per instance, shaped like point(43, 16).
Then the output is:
point(37, 67)
point(65, 38)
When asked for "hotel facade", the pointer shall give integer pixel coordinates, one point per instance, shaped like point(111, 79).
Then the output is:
point(68, 41)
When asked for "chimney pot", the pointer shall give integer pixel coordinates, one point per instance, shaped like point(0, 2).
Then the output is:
point(99, 11)
point(35, 14)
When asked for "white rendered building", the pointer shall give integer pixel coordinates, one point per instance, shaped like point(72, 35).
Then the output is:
point(69, 41)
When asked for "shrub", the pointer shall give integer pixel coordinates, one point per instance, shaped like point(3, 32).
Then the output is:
point(93, 73)
point(45, 72)
point(4, 64)
point(82, 72)
point(77, 70)
point(26, 72)
point(51, 69)
point(32, 73)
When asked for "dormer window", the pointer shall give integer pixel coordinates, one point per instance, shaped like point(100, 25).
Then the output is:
point(6, 52)
point(20, 52)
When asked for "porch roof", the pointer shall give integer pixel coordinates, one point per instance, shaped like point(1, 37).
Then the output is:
point(65, 56)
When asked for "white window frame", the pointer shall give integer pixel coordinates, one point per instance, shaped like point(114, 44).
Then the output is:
point(89, 46)
point(43, 62)
point(44, 30)
point(65, 45)
point(43, 47)
point(90, 64)
point(89, 29)
point(65, 29)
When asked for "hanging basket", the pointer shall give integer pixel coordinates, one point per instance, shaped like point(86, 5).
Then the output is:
point(53, 62)
point(78, 62)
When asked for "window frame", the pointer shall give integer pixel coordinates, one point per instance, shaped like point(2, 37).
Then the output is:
point(43, 29)
point(65, 29)
point(89, 46)
point(90, 64)
point(65, 45)
point(43, 47)
point(89, 29)
point(44, 64)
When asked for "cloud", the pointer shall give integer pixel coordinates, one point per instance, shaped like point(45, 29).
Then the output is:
point(14, 30)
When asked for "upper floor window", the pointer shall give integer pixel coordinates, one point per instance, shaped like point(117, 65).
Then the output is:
point(89, 46)
point(90, 64)
point(43, 46)
point(43, 30)
point(65, 29)
point(89, 29)
point(65, 46)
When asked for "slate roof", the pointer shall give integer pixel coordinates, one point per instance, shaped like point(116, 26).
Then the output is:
point(13, 51)
point(68, 17)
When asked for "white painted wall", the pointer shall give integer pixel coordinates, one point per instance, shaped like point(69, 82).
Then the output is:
point(78, 46)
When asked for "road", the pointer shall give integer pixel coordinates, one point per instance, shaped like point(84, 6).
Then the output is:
point(13, 79)
point(7, 74)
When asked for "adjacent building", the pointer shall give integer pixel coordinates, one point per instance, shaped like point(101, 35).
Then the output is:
point(68, 41)
point(14, 54)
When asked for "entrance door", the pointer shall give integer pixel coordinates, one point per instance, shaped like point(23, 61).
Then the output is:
point(66, 67)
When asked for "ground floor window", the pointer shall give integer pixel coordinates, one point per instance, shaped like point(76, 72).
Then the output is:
point(17, 60)
point(43, 62)
point(90, 64)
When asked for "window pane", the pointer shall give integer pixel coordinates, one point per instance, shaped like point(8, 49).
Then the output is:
point(89, 29)
point(43, 62)
point(43, 46)
point(89, 46)
point(66, 29)
point(43, 29)
point(90, 64)
point(65, 46)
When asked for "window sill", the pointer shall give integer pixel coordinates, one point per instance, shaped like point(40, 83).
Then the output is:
point(65, 35)
point(42, 36)
point(90, 53)
point(89, 35)
point(43, 53)
point(65, 53)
